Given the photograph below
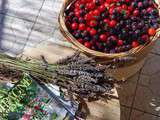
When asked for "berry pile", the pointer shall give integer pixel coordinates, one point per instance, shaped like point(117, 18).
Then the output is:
point(112, 26)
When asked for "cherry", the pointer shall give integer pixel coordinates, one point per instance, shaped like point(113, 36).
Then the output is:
point(74, 26)
point(111, 10)
point(88, 29)
point(124, 6)
point(135, 12)
point(103, 37)
point(106, 21)
point(140, 4)
point(81, 26)
point(127, 1)
point(108, 1)
point(120, 42)
point(130, 8)
point(77, 14)
point(112, 23)
point(91, 6)
point(93, 32)
point(145, 38)
point(93, 23)
point(96, 12)
point(102, 8)
point(135, 44)
point(151, 31)
point(87, 44)
point(149, 10)
point(88, 17)
point(80, 40)
point(119, 9)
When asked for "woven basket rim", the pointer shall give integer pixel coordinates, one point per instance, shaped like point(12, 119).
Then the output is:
point(73, 40)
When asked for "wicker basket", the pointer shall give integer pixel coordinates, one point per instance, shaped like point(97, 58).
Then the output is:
point(140, 52)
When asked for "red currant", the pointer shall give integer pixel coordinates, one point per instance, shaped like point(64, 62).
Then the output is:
point(74, 26)
point(93, 32)
point(87, 44)
point(81, 26)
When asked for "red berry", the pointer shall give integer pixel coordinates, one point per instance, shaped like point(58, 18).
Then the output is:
point(127, 14)
point(106, 21)
point(115, 1)
point(77, 14)
point(103, 37)
point(102, 8)
point(80, 40)
point(89, 1)
point(77, 4)
point(145, 38)
point(93, 23)
point(127, 1)
point(135, 12)
point(81, 26)
point(119, 9)
point(91, 6)
point(124, 6)
point(88, 29)
point(112, 23)
point(106, 5)
point(83, 1)
point(76, 10)
point(108, 1)
point(88, 17)
point(120, 42)
point(87, 44)
point(151, 31)
point(74, 26)
point(96, 12)
point(135, 44)
point(130, 8)
point(93, 32)
point(149, 9)
point(111, 10)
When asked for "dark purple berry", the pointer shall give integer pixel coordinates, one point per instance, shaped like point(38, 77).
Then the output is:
point(95, 37)
point(82, 6)
point(145, 3)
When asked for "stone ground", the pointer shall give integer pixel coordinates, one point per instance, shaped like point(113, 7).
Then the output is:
point(26, 23)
